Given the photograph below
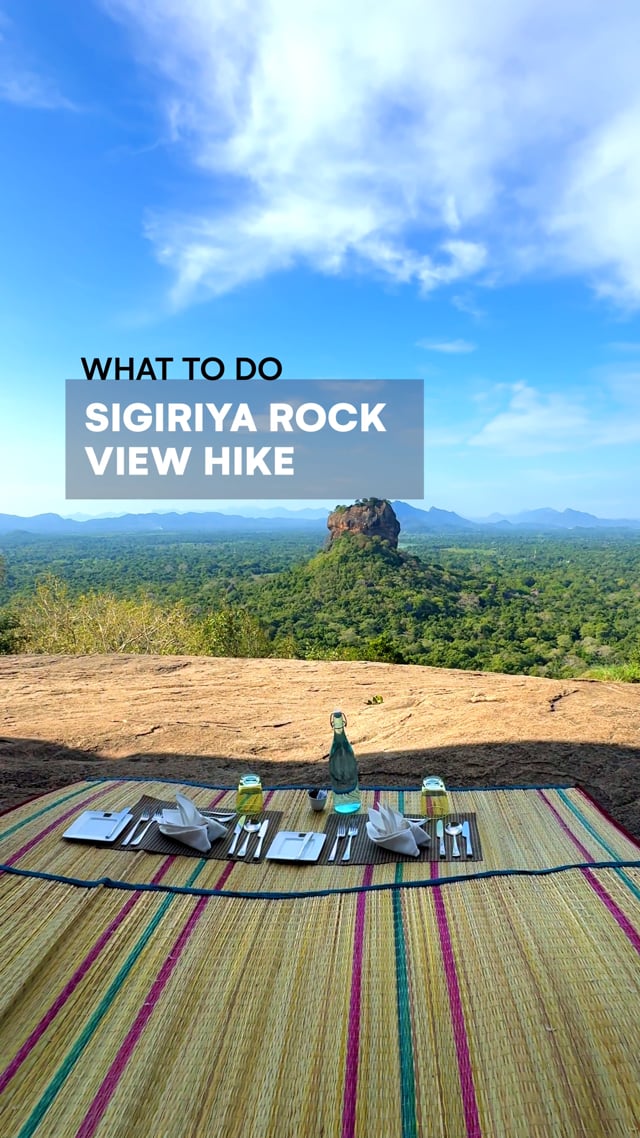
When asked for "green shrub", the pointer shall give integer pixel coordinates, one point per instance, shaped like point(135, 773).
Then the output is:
point(52, 621)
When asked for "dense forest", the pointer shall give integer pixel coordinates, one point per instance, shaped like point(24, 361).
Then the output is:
point(545, 605)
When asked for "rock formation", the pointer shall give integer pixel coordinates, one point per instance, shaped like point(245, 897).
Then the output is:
point(372, 517)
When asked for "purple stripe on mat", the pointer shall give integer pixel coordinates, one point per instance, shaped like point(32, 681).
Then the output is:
point(63, 818)
point(72, 984)
point(467, 1087)
point(7, 1075)
point(353, 1037)
point(616, 912)
point(108, 1086)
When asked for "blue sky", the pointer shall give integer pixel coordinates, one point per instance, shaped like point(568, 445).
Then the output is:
point(418, 191)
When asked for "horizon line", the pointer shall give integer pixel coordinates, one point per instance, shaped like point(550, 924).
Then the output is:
point(492, 518)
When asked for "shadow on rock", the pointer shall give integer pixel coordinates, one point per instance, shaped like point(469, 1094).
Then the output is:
point(611, 774)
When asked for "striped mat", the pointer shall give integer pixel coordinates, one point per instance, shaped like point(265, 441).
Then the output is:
point(189, 998)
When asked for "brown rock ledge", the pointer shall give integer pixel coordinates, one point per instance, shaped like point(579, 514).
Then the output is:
point(64, 718)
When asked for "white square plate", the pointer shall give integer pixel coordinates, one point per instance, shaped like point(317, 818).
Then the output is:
point(98, 826)
point(289, 845)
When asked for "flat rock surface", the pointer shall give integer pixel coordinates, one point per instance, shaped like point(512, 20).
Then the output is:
point(204, 719)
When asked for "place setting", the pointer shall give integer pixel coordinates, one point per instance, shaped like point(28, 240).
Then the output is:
point(180, 827)
point(386, 835)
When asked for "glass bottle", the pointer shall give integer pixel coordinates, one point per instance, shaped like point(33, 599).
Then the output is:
point(343, 769)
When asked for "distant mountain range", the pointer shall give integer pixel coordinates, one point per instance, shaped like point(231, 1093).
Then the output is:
point(52, 525)
point(414, 520)
point(554, 519)
point(278, 519)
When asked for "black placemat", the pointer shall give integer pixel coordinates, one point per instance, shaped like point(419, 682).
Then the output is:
point(366, 852)
point(156, 842)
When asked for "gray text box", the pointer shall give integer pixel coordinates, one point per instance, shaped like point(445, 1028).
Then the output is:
point(173, 439)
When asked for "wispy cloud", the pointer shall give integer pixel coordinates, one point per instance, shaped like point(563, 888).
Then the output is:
point(620, 424)
point(21, 84)
point(449, 347)
point(467, 304)
point(537, 423)
point(30, 90)
point(534, 423)
point(628, 347)
point(428, 144)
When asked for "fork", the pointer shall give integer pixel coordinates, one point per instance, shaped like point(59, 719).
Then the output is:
point(144, 817)
point(353, 833)
point(156, 818)
point(342, 833)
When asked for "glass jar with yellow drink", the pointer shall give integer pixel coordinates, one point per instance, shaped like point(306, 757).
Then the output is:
point(435, 800)
point(249, 799)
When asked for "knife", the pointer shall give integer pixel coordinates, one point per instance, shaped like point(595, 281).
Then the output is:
point(307, 841)
point(117, 815)
point(261, 833)
point(467, 837)
point(236, 833)
point(120, 818)
point(440, 835)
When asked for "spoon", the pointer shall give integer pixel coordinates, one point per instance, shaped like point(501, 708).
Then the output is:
point(454, 830)
point(251, 828)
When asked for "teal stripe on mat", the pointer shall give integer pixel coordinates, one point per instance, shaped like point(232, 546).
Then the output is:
point(631, 885)
point(405, 1040)
point(39, 1111)
point(272, 895)
point(587, 825)
point(52, 805)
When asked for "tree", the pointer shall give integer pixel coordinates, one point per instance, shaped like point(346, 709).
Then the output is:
point(384, 649)
point(233, 631)
point(8, 622)
point(8, 633)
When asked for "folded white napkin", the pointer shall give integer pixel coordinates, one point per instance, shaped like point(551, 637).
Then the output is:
point(188, 825)
point(388, 828)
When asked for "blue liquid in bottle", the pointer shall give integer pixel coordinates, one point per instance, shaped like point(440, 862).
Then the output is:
point(343, 769)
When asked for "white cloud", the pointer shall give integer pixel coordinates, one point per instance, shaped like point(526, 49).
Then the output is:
point(536, 423)
point(449, 347)
point(421, 142)
point(596, 218)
